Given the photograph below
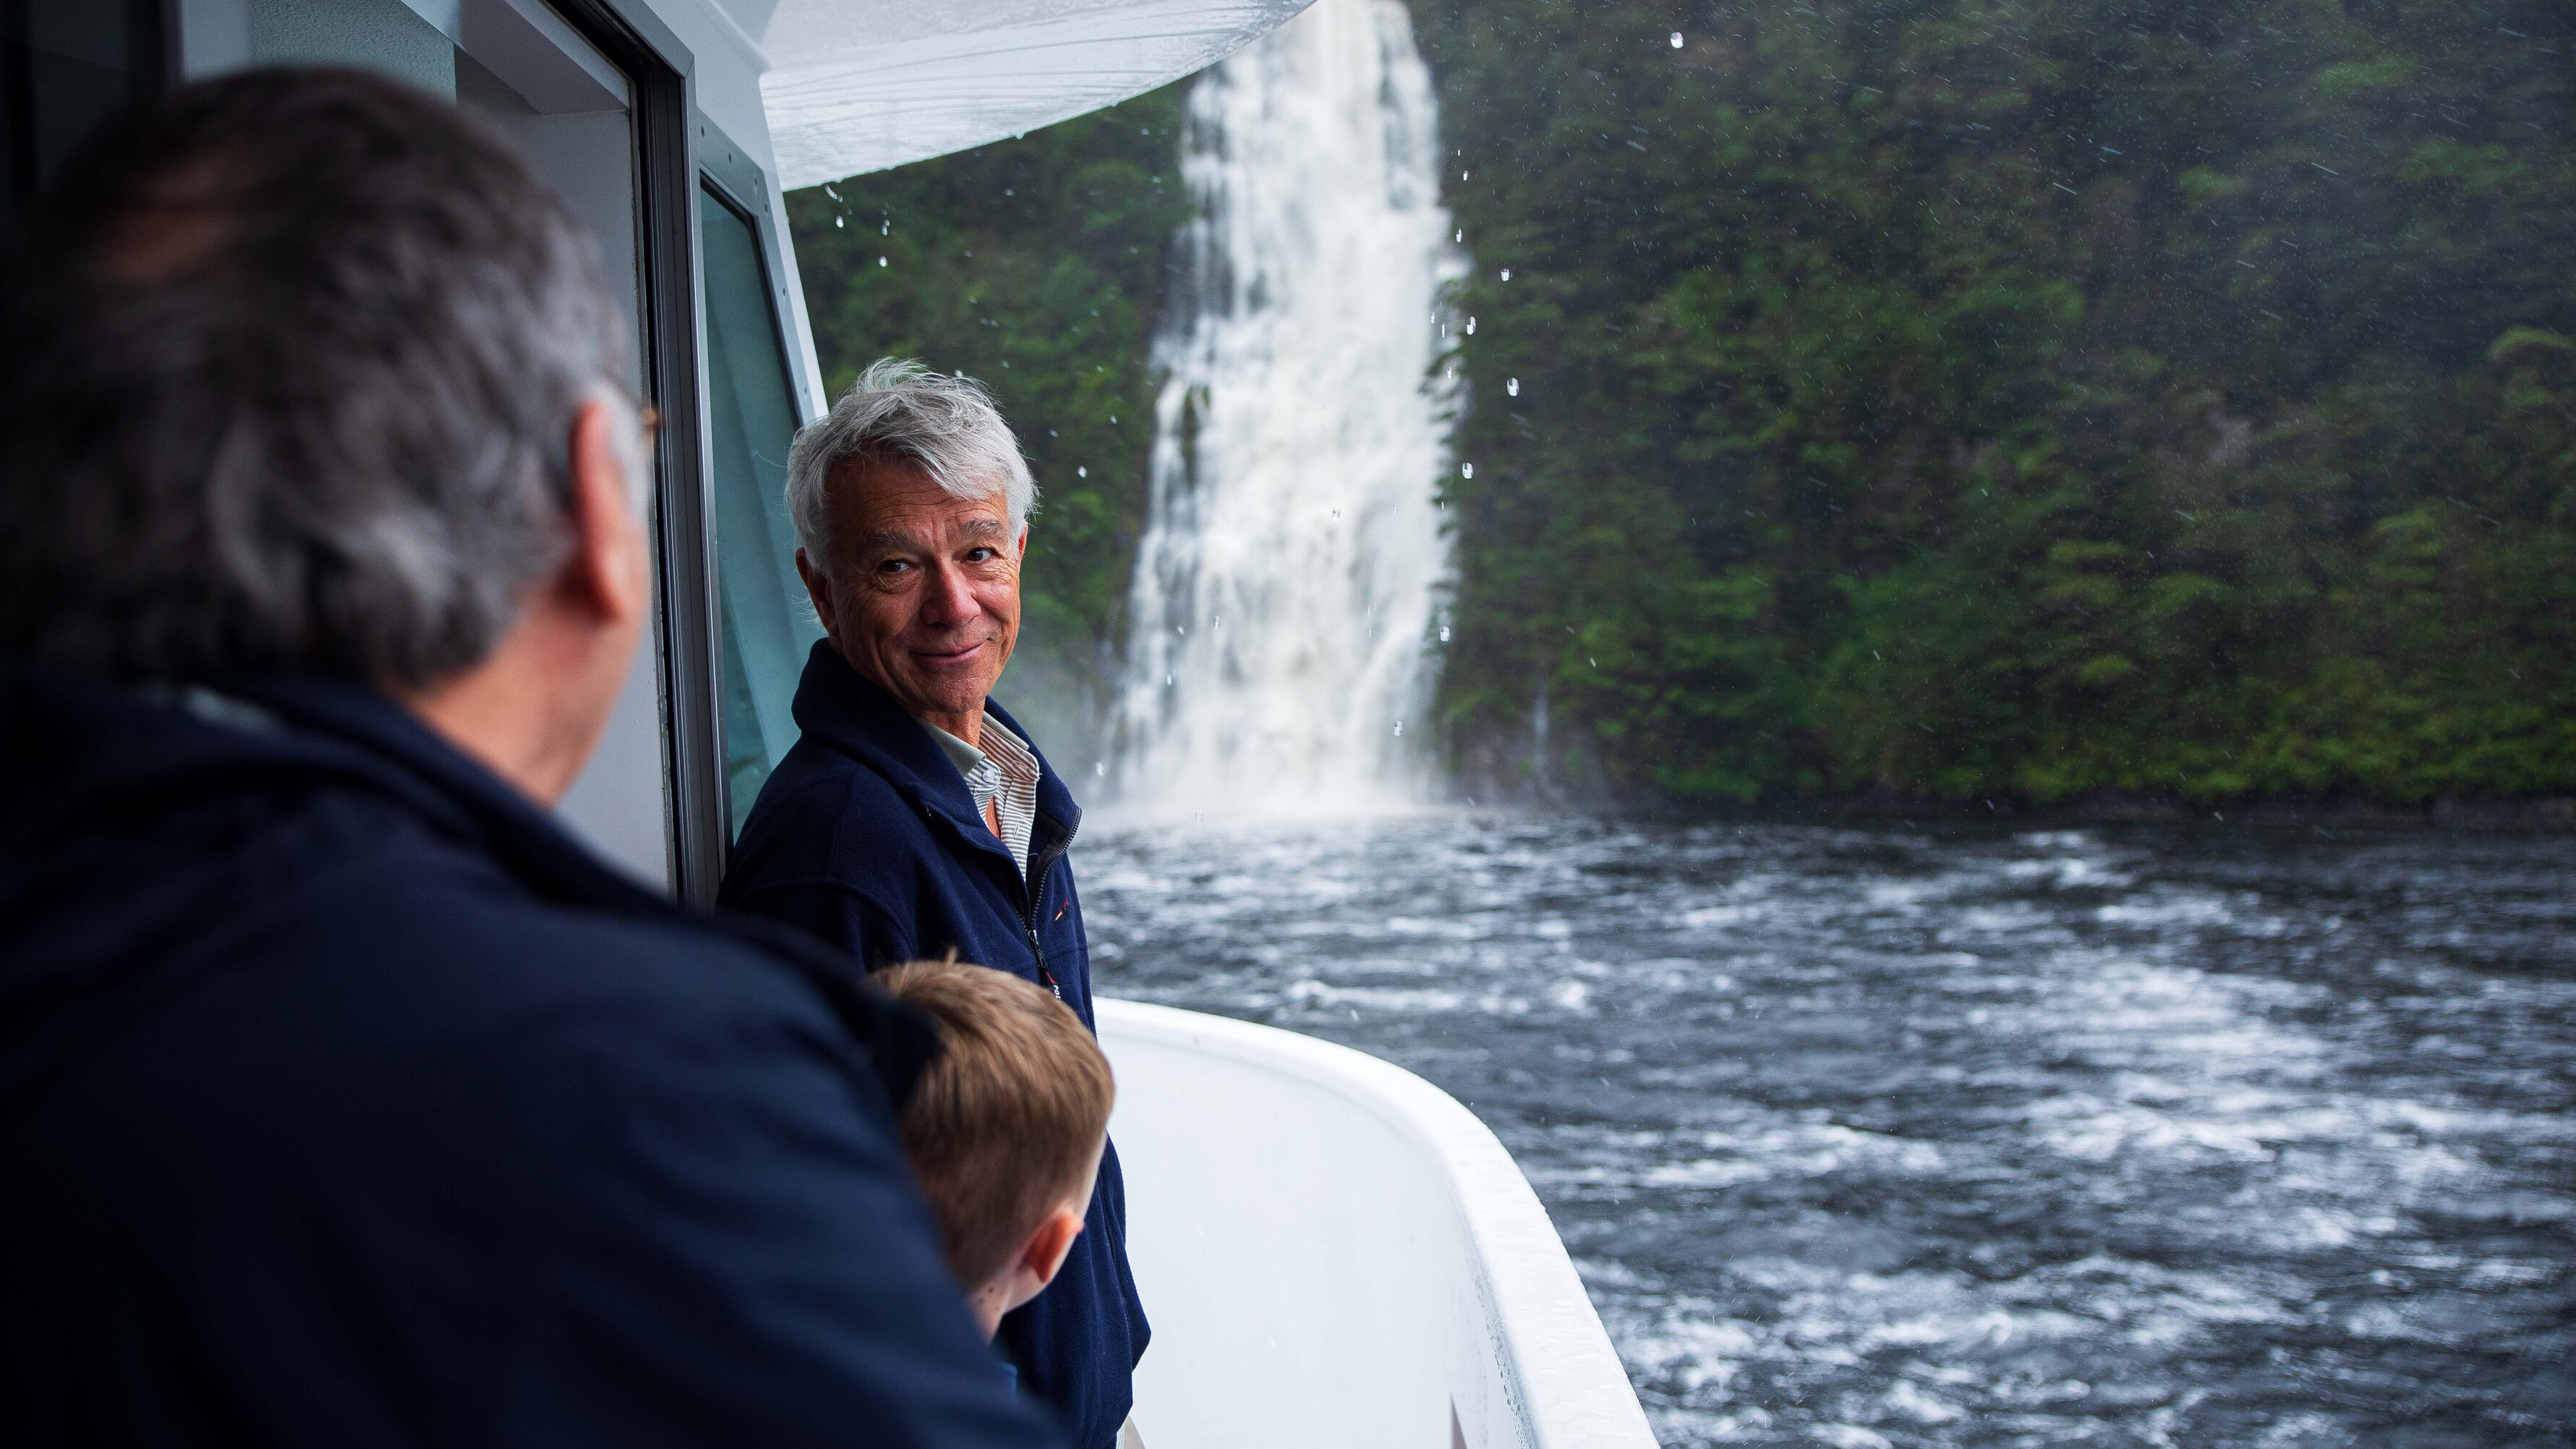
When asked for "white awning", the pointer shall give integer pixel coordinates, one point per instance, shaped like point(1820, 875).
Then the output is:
point(860, 85)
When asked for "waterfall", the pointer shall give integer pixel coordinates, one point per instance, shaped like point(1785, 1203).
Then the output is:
point(1280, 630)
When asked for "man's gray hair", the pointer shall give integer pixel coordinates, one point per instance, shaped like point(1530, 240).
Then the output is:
point(288, 368)
point(900, 411)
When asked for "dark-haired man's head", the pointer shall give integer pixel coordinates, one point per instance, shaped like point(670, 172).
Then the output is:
point(304, 370)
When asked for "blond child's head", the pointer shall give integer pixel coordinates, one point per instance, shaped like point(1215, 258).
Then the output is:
point(1005, 1129)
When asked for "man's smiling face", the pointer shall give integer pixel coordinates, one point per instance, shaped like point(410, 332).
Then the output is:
point(923, 593)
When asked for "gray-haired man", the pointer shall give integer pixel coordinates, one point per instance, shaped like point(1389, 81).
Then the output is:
point(344, 1099)
point(915, 817)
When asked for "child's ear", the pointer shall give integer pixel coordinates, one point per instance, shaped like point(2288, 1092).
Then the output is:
point(1045, 1254)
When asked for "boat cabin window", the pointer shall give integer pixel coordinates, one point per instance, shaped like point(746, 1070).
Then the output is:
point(765, 623)
point(584, 119)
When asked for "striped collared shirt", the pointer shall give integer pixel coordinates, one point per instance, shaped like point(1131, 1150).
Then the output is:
point(1003, 778)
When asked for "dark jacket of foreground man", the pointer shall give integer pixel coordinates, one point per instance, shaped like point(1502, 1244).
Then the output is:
point(867, 836)
point(344, 1100)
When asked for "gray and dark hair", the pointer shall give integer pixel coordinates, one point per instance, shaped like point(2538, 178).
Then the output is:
point(900, 411)
point(288, 366)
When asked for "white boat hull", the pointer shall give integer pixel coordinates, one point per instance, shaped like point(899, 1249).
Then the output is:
point(1337, 1255)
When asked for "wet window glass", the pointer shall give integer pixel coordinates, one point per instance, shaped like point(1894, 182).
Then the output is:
point(66, 66)
point(1925, 647)
point(766, 622)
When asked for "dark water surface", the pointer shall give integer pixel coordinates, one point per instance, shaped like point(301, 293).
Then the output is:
point(2136, 1135)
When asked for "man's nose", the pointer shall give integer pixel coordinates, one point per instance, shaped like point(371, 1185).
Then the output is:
point(950, 600)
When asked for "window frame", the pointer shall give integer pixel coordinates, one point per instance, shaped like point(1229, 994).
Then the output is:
point(726, 174)
point(671, 349)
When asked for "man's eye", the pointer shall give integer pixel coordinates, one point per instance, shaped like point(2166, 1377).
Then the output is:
point(894, 566)
point(978, 555)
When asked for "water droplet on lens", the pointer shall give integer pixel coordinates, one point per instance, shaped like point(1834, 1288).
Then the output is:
point(1677, 40)
point(1471, 326)
point(887, 229)
point(1444, 633)
point(1512, 385)
point(1082, 472)
point(1399, 729)
point(1507, 274)
point(881, 261)
point(1466, 470)
point(1100, 769)
point(1461, 236)
point(840, 221)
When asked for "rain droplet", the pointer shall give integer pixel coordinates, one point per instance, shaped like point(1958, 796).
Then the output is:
point(1082, 472)
point(1466, 470)
point(1337, 513)
point(1512, 385)
point(1588, 659)
point(840, 221)
point(1507, 274)
point(1100, 769)
point(828, 191)
point(1471, 326)
point(1444, 633)
point(1113, 420)
point(1167, 679)
point(883, 262)
point(1218, 622)
point(887, 229)
point(1677, 40)
point(1399, 729)
point(1461, 236)
point(1462, 175)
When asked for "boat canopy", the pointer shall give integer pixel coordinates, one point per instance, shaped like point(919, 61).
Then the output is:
point(861, 85)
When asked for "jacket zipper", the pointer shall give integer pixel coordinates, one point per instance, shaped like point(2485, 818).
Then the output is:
point(1034, 891)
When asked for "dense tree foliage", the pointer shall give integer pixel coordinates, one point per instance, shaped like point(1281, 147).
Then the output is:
point(1970, 399)
point(2029, 399)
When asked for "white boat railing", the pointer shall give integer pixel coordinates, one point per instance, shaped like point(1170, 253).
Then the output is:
point(1337, 1255)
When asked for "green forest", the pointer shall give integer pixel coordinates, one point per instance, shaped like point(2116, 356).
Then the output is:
point(1950, 400)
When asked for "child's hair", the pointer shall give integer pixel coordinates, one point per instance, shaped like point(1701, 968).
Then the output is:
point(1003, 1126)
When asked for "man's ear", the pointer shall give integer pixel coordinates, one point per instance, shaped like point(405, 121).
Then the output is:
point(1044, 1256)
point(1022, 547)
point(607, 571)
point(819, 589)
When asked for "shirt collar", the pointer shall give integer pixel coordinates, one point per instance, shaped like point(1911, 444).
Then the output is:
point(974, 763)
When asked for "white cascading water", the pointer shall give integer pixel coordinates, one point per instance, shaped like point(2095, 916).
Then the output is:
point(1281, 648)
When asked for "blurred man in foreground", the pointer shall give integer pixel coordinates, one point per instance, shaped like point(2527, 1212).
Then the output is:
point(343, 1098)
